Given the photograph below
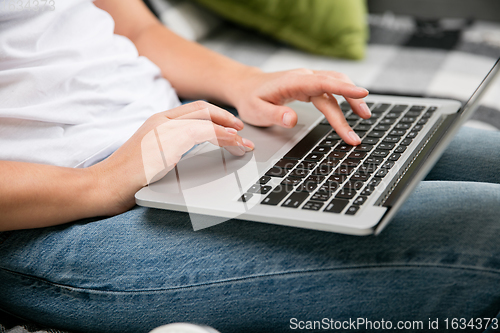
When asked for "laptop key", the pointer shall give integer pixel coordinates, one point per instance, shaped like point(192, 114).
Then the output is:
point(402, 126)
point(322, 196)
point(413, 114)
point(323, 169)
point(361, 127)
point(297, 172)
point(264, 180)
point(344, 170)
point(392, 139)
point(328, 143)
point(359, 177)
point(381, 173)
point(399, 108)
point(386, 146)
point(417, 128)
point(392, 115)
point(291, 181)
point(374, 160)
point(387, 121)
point(333, 136)
point(314, 157)
point(351, 162)
point(307, 165)
point(276, 172)
point(346, 193)
point(381, 107)
point(336, 206)
point(339, 179)
point(374, 182)
point(368, 191)
point(329, 187)
point(343, 147)
point(357, 154)
point(380, 153)
point(257, 188)
point(376, 134)
point(382, 128)
point(400, 149)
point(245, 197)
point(394, 156)
point(370, 141)
point(388, 165)
point(408, 120)
point(411, 135)
point(422, 121)
point(308, 142)
point(360, 200)
point(307, 186)
point(363, 147)
point(417, 108)
point(352, 210)
point(368, 121)
point(311, 205)
point(406, 142)
point(285, 164)
point(336, 155)
point(321, 150)
point(295, 199)
point(274, 198)
point(398, 132)
point(354, 185)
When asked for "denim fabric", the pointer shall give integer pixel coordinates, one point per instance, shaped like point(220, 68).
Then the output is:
point(438, 258)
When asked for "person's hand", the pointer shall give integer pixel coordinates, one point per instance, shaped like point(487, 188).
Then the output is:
point(159, 144)
point(260, 98)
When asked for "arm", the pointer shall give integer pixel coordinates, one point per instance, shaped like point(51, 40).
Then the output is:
point(35, 195)
point(196, 72)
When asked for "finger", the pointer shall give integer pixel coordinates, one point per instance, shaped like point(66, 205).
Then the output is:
point(207, 111)
point(280, 115)
point(302, 87)
point(330, 108)
point(180, 135)
point(358, 106)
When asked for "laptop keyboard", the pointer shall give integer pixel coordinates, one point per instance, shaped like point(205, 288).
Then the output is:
point(323, 173)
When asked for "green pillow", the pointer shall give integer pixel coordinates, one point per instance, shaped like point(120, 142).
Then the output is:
point(330, 27)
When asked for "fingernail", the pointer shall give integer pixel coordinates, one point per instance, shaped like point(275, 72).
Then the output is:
point(247, 144)
point(364, 90)
point(366, 109)
point(354, 136)
point(231, 130)
point(238, 123)
point(287, 119)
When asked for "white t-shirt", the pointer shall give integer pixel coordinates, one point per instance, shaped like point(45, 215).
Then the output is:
point(71, 92)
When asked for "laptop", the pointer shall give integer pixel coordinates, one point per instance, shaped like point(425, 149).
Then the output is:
point(308, 177)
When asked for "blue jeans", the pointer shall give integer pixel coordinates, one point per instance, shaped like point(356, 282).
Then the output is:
point(438, 259)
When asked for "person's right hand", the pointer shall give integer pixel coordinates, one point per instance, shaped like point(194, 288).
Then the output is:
point(158, 146)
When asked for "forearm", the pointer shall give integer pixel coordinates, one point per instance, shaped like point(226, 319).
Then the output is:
point(35, 195)
point(193, 70)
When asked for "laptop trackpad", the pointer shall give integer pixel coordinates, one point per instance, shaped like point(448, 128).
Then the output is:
point(268, 140)
point(210, 164)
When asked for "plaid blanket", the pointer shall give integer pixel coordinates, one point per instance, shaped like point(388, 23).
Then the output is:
point(444, 58)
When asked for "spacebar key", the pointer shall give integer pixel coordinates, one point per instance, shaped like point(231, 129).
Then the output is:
point(308, 142)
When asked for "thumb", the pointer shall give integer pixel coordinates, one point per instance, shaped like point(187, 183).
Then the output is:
point(283, 115)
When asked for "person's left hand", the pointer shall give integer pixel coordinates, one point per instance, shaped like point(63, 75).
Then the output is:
point(260, 98)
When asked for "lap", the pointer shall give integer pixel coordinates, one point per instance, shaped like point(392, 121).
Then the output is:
point(132, 272)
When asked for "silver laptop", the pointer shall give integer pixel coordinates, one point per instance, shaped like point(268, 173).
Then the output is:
point(308, 177)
